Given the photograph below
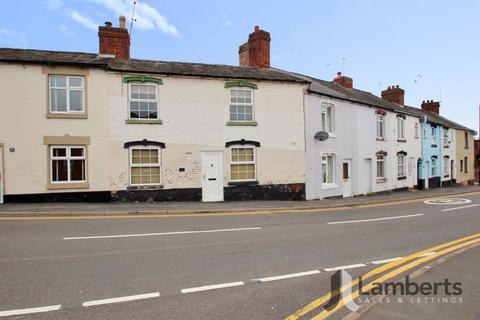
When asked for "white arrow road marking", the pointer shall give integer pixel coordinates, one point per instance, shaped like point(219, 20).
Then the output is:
point(386, 260)
point(121, 299)
point(159, 234)
point(377, 219)
point(464, 207)
point(287, 276)
point(29, 310)
point(213, 287)
point(351, 266)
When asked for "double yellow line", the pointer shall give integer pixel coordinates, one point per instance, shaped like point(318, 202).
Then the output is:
point(397, 267)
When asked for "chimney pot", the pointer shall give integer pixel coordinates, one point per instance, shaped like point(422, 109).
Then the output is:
point(394, 94)
point(108, 24)
point(344, 81)
point(121, 21)
point(256, 29)
point(430, 105)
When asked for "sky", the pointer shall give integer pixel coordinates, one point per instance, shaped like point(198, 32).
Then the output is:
point(430, 48)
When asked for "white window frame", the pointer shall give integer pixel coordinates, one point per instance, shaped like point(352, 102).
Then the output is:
point(445, 137)
point(400, 128)
point(67, 89)
point(380, 123)
point(327, 184)
point(130, 84)
point(67, 158)
point(446, 165)
point(254, 162)
point(244, 104)
point(143, 165)
point(328, 126)
point(381, 158)
point(401, 166)
point(434, 135)
point(416, 130)
point(433, 168)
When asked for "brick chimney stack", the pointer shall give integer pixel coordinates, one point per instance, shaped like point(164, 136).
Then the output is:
point(256, 52)
point(430, 105)
point(113, 40)
point(344, 81)
point(394, 94)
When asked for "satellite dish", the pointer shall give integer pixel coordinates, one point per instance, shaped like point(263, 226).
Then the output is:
point(321, 136)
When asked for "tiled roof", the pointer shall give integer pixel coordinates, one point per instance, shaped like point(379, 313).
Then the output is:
point(143, 66)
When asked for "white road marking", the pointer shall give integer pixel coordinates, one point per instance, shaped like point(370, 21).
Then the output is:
point(351, 266)
point(121, 299)
point(386, 260)
point(464, 207)
point(159, 234)
point(29, 310)
point(377, 219)
point(213, 287)
point(287, 276)
point(427, 254)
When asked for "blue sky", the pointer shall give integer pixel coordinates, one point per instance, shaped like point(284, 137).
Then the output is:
point(429, 48)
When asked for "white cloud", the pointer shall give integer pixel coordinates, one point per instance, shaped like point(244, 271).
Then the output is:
point(147, 17)
point(54, 4)
point(13, 39)
point(228, 21)
point(83, 20)
point(66, 31)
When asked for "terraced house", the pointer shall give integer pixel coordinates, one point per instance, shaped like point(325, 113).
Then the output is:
point(104, 126)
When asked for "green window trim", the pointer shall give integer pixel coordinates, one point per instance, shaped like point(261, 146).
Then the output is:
point(142, 79)
point(241, 84)
point(143, 121)
point(242, 123)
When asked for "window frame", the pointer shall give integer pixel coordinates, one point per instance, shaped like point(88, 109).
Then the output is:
point(380, 120)
point(328, 184)
point(384, 167)
point(68, 158)
point(129, 99)
point(416, 130)
point(67, 89)
point(252, 104)
point(445, 137)
point(465, 165)
point(434, 135)
point(401, 128)
point(467, 136)
point(446, 165)
point(433, 167)
point(144, 165)
point(401, 165)
point(254, 162)
point(324, 112)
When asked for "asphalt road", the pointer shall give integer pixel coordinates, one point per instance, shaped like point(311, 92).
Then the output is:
point(73, 265)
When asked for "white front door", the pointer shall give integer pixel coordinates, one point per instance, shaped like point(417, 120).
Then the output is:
point(1, 175)
point(347, 178)
point(212, 175)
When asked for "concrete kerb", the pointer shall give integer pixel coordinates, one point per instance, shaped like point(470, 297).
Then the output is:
point(275, 210)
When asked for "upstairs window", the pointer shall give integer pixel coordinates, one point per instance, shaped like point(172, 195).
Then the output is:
point(242, 164)
point(241, 105)
point(400, 128)
point(445, 137)
point(434, 135)
point(67, 94)
point(466, 140)
point(328, 118)
point(416, 130)
point(143, 101)
point(380, 126)
point(328, 169)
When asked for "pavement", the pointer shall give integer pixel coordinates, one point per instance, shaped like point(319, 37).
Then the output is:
point(169, 208)
point(263, 266)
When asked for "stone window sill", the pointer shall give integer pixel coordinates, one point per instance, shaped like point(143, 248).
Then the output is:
point(329, 186)
point(381, 180)
point(242, 123)
point(67, 116)
point(143, 121)
point(72, 185)
point(243, 183)
point(155, 187)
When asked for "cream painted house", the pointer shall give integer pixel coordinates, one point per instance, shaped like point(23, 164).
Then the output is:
point(465, 171)
point(98, 126)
